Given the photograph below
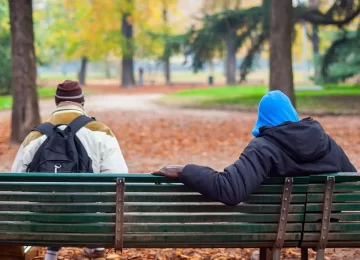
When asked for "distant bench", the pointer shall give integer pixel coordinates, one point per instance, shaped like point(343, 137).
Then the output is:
point(144, 211)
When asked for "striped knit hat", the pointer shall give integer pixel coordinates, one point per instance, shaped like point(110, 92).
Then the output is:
point(69, 91)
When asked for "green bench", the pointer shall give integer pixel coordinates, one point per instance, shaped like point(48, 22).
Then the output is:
point(332, 216)
point(144, 211)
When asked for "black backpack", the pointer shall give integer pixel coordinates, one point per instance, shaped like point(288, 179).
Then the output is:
point(62, 151)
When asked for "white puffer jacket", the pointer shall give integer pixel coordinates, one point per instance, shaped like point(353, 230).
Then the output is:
point(98, 140)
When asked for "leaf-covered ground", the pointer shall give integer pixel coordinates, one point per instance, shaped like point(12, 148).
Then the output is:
point(151, 136)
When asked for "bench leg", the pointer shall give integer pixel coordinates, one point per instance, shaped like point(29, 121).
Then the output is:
point(320, 254)
point(304, 254)
point(265, 254)
point(10, 252)
point(276, 252)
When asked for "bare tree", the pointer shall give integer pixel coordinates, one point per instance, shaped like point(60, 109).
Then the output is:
point(25, 110)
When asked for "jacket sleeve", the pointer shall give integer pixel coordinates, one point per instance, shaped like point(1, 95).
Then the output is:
point(235, 183)
point(26, 153)
point(18, 164)
point(112, 159)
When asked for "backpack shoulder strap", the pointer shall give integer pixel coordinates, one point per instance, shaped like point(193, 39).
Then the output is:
point(79, 122)
point(45, 128)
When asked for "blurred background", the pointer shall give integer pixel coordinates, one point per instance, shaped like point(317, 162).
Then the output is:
point(87, 40)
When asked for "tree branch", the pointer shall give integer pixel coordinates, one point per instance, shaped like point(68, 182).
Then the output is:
point(318, 18)
point(246, 65)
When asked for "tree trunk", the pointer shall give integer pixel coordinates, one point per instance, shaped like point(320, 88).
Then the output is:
point(127, 76)
point(168, 51)
point(315, 40)
point(167, 71)
point(107, 68)
point(281, 73)
point(25, 110)
point(316, 49)
point(82, 72)
point(230, 66)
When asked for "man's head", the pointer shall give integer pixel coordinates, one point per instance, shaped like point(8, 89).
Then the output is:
point(69, 91)
point(274, 109)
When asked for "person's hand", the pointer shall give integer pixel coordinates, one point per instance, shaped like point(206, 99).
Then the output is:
point(170, 171)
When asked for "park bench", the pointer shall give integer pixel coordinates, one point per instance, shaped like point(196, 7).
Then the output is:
point(144, 211)
point(332, 215)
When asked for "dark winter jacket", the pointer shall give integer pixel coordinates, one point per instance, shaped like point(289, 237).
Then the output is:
point(290, 149)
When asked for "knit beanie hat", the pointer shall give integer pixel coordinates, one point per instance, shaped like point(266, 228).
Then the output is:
point(69, 91)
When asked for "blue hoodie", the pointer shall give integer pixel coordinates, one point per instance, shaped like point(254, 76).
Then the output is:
point(274, 109)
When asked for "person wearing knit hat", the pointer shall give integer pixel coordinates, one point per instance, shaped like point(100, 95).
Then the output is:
point(96, 138)
point(69, 91)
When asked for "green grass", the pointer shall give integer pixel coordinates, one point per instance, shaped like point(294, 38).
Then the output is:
point(176, 76)
point(332, 99)
point(6, 101)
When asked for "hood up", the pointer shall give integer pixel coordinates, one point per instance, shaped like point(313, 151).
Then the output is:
point(275, 108)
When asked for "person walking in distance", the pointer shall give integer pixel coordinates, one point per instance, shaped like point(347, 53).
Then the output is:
point(82, 144)
point(141, 76)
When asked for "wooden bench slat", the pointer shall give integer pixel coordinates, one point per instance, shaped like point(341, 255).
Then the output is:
point(338, 236)
point(318, 207)
point(63, 243)
point(343, 216)
point(220, 244)
point(57, 218)
point(132, 244)
point(207, 227)
point(57, 197)
point(57, 187)
point(196, 197)
point(334, 227)
point(58, 207)
point(208, 217)
point(95, 228)
point(268, 189)
point(99, 228)
point(96, 177)
point(149, 217)
point(58, 237)
point(333, 244)
point(338, 187)
point(337, 197)
point(132, 197)
point(205, 238)
point(130, 187)
point(207, 207)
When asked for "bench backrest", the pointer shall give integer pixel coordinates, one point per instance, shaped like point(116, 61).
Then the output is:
point(333, 211)
point(141, 210)
point(172, 215)
point(45, 210)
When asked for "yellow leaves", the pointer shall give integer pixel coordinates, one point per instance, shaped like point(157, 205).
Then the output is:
point(213, 6)
point(93, 28)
